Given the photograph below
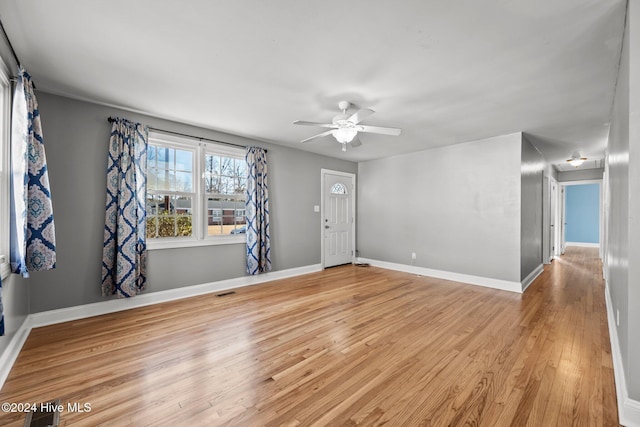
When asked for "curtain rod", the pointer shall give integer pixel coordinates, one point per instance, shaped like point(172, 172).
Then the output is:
point(6, 37)
point(13, 52)
point(199, 138)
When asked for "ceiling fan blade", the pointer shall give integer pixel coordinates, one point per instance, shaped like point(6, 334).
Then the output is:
point(355, 142)
point(322, 125)
point(378, 129)
point(360, 115)
point(317, 136)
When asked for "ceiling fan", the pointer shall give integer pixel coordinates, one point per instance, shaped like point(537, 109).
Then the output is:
point(345, 127)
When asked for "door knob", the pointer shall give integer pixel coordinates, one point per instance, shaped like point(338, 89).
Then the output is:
point(326, 226)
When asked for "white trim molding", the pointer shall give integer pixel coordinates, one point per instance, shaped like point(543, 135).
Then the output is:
point(532, 276)
point(628, 409)
point(581, 244)
point(487, 282)
point(45, 318)
point(11, 352)
point(52, 317)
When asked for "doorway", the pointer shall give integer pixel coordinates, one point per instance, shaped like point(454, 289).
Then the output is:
point(338, 217)
point(553, 220)
point(582, 213)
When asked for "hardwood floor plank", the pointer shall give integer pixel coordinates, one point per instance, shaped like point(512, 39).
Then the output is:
point(348, 346)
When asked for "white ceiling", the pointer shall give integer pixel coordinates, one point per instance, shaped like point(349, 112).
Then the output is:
point(445, 71)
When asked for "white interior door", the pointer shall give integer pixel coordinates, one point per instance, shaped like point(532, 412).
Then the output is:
point(338, 218)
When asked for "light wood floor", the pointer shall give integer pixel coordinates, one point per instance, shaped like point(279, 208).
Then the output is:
point(347, 346)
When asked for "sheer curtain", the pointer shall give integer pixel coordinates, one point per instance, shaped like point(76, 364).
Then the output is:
point(257, 211)
point(124, 251)
point(1, 310)
point(33, 245)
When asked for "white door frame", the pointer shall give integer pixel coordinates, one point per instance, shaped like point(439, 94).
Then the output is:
point(563, 185)
point(554, 241)
point(352, 197)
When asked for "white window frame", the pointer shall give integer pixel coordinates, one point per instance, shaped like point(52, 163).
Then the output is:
point(5, 129)
point(200, 235)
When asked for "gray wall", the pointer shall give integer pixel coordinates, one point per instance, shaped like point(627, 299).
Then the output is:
point(633, 379)
point(532, 167)
point(617, 168)
point(15, 299)
point(622, 268)
point(580, 175)
point(15, 290)
point(457, 207)
point(76, 136)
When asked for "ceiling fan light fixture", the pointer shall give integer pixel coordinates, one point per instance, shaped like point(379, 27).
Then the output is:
point(576, 160)
point(344, 135)
point(345, 126)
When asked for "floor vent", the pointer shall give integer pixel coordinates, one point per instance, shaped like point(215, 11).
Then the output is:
point(224, 294)
point(46, 414)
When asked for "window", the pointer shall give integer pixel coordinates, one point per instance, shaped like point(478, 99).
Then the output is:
point(170, 191)
point(338, 188)
point(5, 98)
point(225, 183)
point(195, 193)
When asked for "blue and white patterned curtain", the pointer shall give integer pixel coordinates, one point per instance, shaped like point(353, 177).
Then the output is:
point(125, 245)
point(257, 211)
point(33, 242)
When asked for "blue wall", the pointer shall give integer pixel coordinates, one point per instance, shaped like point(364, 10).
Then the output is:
point(583, 213)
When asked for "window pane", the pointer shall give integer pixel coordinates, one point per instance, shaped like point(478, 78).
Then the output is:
point(163, 157)
point(182, 205)
point(151, 156)
point(174, 171)
point(163, 181)
point(183, 181)
point(151, 227)
point(227, 166)
point(212, 183)
point(241, 167)
point(242, 185)
point(184, 160)
point(338, 188)
point(167, 206)
point(184, 225)
point(169, 216)
point(152, 205)
point(171, 161)
point(225, 215)
point(212, 164)
point(152, 179)
point(227, 185)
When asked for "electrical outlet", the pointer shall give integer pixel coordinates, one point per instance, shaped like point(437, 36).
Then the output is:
point(413, 255)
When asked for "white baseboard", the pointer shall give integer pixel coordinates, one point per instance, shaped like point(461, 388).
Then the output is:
point(45, 318)
point(11, 352)
point(581, 244)
point(628, 409)
point(532, 276)
point(487, 282)
point(111, 306)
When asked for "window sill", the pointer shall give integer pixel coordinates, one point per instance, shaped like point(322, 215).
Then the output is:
point(190, 243)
